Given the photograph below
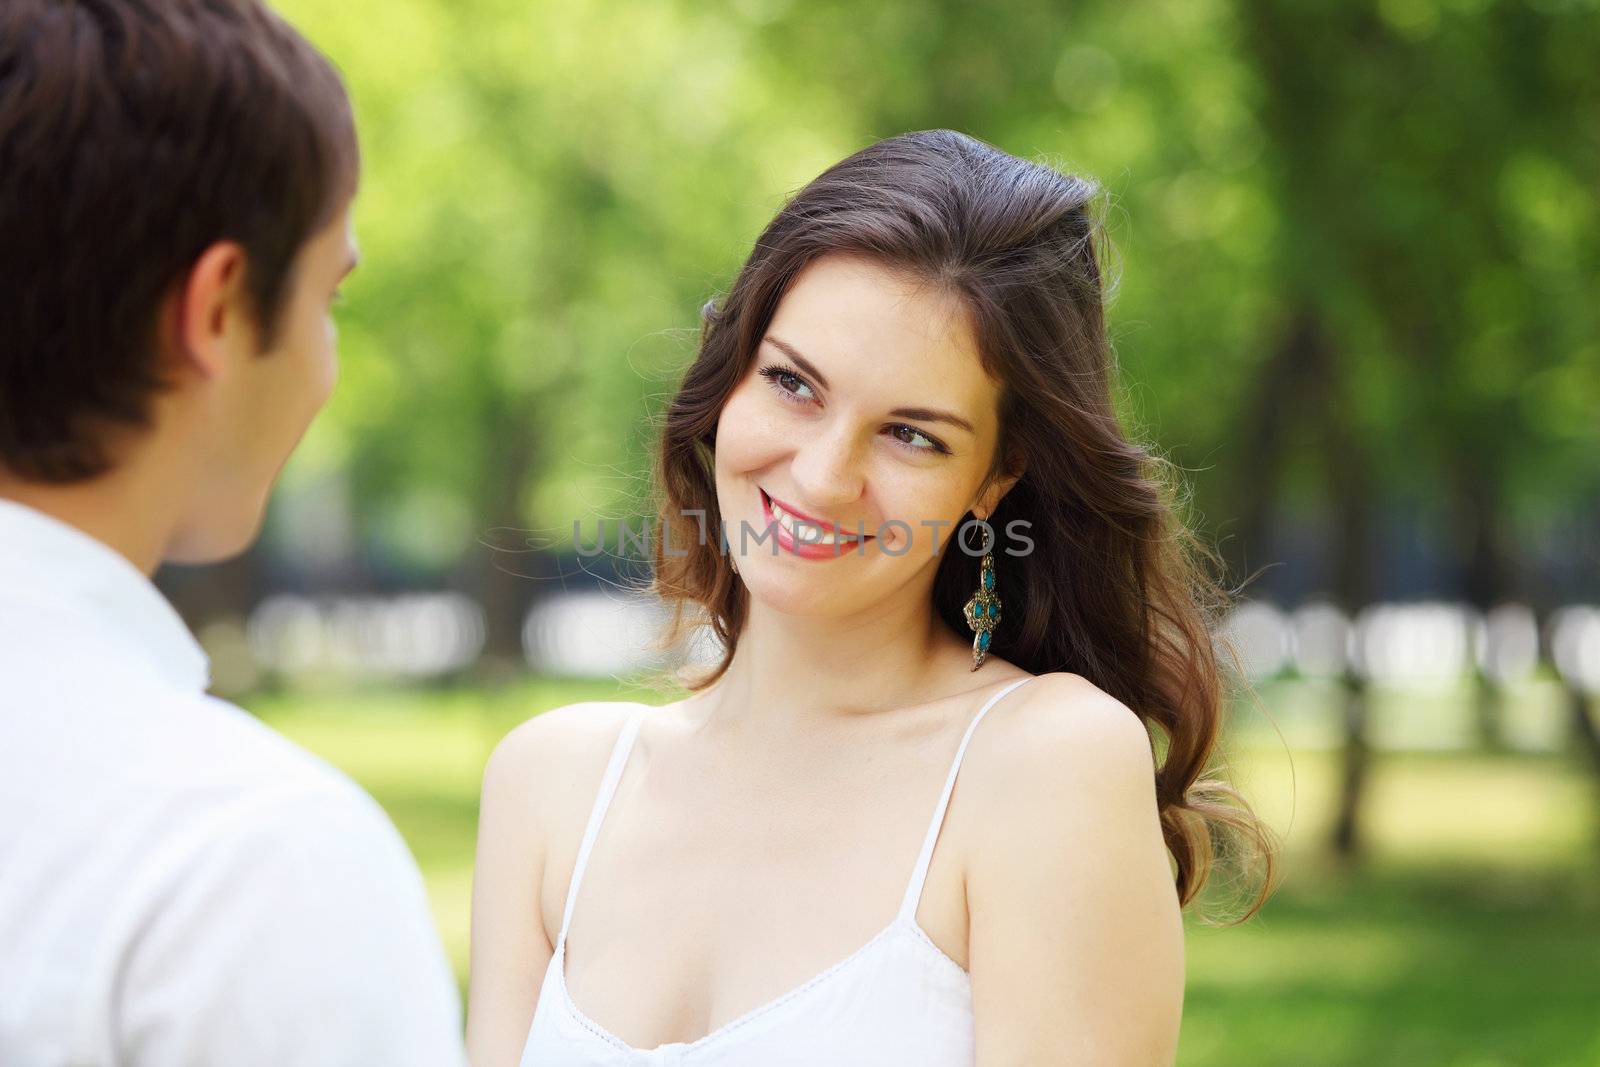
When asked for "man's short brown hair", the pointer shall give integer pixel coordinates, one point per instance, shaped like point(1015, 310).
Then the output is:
point(133, 135)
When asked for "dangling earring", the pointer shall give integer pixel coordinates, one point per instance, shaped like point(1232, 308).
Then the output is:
point(983, 611)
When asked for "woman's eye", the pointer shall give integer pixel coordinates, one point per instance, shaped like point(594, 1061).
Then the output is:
point(786, 382)
point(928, 445)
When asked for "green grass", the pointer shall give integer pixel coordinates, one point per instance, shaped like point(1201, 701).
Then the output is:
point(1468, 937)
point(1465, 966)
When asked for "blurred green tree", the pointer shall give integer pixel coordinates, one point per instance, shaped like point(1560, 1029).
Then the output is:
point(1355, 244)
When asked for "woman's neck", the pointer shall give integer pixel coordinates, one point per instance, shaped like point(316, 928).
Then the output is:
point(808, 671)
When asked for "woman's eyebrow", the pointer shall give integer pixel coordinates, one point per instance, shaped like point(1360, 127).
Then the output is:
point(919, 414)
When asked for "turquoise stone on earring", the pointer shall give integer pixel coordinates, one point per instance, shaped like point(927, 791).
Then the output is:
point(982, 612)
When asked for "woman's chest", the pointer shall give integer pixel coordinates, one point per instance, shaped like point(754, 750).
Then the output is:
point(704, 898)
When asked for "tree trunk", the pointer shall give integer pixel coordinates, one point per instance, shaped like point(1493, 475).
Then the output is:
point(505, 567)
point(1588, 737)
point(1350, 482)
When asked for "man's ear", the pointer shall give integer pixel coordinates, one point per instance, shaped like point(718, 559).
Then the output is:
point(212, 310)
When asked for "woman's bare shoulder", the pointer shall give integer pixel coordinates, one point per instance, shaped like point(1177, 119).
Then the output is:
point(569, 742)
point(567, 730)
point(1069, 888)
point(537, 784)
point(1057, 730)
point(1069, 707)
point(552, 762)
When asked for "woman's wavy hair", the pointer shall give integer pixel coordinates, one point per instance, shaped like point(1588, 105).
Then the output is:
point(1116, 588)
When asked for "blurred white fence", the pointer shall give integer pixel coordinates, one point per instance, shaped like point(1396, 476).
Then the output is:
point(595, 633)
point(411, 636)
point(1421, 660)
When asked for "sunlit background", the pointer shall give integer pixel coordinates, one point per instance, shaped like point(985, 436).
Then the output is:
point(1355, 300)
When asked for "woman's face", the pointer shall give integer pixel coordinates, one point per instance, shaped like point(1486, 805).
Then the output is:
point(865, 404)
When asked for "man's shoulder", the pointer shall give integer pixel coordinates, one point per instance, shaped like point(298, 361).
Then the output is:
point(271, 820)
point(216, 753)
point(287, 859)
point(251, 751)
point(277, 787)
point(93, 723)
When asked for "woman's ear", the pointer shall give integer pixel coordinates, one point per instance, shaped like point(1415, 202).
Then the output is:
point(990, 497)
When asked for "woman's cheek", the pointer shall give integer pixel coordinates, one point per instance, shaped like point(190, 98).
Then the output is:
point(745, 432)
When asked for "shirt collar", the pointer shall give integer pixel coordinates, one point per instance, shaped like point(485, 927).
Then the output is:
point(49, 562)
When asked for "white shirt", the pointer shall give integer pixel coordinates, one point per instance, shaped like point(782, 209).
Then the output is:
point(181, 886)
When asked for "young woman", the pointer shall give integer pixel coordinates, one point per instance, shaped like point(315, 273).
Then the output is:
point(784, 867)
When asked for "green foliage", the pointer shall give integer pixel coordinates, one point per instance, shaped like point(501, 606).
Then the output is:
point(552, 190)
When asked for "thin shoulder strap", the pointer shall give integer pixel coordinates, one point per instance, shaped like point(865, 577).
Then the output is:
point(908, 906)
point(597, 815)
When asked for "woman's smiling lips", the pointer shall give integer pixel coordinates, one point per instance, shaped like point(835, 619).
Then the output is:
point(843, 541)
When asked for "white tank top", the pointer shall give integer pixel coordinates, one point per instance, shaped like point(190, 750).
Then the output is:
point(896, 999)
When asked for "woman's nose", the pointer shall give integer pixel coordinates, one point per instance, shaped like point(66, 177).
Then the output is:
point(827, 468)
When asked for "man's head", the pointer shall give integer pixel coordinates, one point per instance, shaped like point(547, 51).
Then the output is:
point(175, 183)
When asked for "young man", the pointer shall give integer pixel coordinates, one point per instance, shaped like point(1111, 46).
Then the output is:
point(179, 885)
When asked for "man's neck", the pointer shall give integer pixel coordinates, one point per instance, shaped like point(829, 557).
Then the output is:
point(117, 508)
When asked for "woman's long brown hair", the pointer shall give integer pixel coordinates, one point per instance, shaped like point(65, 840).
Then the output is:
point(1116, 588)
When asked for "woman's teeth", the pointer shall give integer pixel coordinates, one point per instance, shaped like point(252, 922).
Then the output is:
point(812, 534)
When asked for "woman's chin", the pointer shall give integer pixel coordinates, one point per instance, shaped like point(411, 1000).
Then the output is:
point(795, 593)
